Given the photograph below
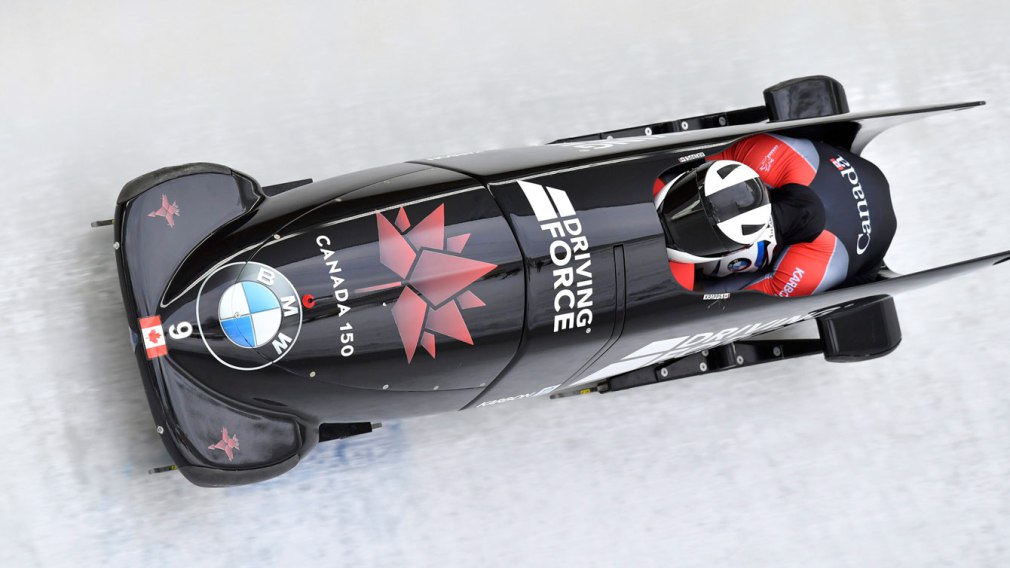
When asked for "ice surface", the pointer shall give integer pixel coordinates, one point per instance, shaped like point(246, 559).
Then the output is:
point(901, 461)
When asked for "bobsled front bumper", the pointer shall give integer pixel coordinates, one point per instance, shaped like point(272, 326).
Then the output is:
point(184, 413)
point(193, 421)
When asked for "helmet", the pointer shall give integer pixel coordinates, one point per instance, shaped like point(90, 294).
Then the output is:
point(714, 210)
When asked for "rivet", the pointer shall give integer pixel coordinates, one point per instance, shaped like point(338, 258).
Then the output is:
point(684, 125)
point(482, 384)
point(384, 387)
point(777, 351)
point(588, 329)
point(704, 353)
point(115, 245)
point(312, 374)
point(277, 237)
point(722, 121)
point(703, 367)
point(159, 430)
point(663, 372)
point(648, 132)
point(436, 387)
point(739, 359)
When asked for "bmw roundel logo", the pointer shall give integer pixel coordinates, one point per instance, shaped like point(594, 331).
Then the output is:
point(249, 315)
point(738, 264)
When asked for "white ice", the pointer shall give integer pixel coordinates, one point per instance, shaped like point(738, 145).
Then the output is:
point(902, 461)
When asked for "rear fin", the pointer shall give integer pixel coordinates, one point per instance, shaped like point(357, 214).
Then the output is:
point(890, 282)
point(853, 130)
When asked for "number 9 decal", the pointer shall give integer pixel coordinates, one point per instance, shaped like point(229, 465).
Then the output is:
point(181, 330)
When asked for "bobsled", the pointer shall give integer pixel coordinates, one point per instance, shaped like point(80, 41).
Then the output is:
point(269, 319)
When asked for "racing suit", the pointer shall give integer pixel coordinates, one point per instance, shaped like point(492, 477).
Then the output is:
point(816, 250)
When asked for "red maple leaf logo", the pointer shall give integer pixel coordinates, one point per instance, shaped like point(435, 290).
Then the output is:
point(154, 336)
point(228, 445)
point(167, 210)
point(434, 276)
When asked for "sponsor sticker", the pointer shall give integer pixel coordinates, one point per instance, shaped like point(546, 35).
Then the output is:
point(154, 337)
point(569, 252)
point(738, 264)
point(591, 145)
point(847, 171)
point(769, 160)
point(541, 392)
point(794, 282)
point(249, 315)
point(676, 347)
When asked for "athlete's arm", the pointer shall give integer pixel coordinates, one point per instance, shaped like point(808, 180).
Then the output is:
point(683, 273)
point(779, 160)
point(804, 269)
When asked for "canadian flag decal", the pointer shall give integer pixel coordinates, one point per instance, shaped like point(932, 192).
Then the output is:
point(154, 336)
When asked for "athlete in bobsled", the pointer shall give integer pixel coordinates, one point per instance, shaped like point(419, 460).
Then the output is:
point(780, 215)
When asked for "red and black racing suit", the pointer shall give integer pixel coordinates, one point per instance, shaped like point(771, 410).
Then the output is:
point(858, 218)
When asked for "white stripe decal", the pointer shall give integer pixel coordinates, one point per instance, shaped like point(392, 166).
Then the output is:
point(539, 201)
point(560, 199)
point(623, 366)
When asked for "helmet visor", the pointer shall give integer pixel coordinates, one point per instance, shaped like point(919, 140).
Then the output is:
point(688, 223)
point(739, 198)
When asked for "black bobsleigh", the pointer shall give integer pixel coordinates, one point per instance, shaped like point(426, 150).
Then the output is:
point(269, 319)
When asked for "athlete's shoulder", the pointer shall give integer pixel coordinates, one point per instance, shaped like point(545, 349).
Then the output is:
point(778, 159)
